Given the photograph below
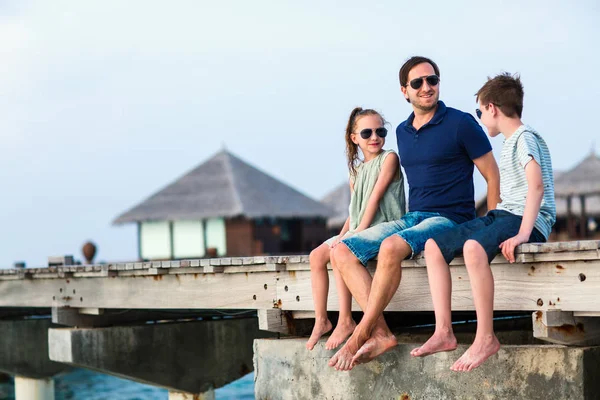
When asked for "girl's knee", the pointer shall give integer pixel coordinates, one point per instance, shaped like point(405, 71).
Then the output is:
point(431, 247)
point(319, 257)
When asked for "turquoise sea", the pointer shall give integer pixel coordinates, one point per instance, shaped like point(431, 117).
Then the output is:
point(87, 385)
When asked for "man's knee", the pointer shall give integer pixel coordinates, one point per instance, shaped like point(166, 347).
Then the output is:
point(472, 251)
point(394, 247)
point(342, 255)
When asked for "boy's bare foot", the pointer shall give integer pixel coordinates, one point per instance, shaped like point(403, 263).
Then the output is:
point(379, 342)
point(440, 341)
point(340, 333)
point(342, 360)
point(320, 328)
point(475, 355)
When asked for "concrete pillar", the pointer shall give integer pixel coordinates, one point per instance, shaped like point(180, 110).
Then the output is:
point(208, 395)
point(284, 369)
point(24, 349)
point(34, 389)
point(188, 357)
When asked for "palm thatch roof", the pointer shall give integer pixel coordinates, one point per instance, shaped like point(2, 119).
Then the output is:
point(339, 201)
point(584, 178)
point(225, 186)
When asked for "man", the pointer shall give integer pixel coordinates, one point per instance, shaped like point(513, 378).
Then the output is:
point(438, 147)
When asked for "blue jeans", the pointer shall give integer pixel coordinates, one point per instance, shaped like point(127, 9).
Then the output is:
point(414, 227)
point(488, 231)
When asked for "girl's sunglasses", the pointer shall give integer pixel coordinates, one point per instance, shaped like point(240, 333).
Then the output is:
point(367, 133)
point(432, 80)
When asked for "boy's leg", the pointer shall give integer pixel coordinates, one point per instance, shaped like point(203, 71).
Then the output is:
point(439, 251)
point(345, 324)
point(482, 284)
point(319, 279)
point(440, 285)
point(478, 252)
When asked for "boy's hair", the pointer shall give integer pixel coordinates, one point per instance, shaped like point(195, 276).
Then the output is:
point(505, 91)
point(351, 147)
point(410, 64)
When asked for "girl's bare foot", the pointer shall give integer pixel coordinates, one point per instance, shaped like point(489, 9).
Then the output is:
point(340, 333)
point(321, 327)
point(480, 350)
point(440, 341)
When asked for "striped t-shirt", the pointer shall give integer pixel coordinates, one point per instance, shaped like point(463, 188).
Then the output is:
point(523, 146)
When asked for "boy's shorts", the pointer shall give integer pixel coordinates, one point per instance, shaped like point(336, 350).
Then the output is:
point(489, 231)
point(414, 227)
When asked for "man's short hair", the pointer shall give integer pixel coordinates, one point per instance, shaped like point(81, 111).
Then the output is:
point(413, 62)
point(505, 91)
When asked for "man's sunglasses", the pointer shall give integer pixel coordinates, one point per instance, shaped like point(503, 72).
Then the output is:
point(367, 133)
point(478, 112)
point(432, 80)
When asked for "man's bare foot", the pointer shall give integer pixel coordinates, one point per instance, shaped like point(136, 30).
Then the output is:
point(475, 355)
point(340, 333)
point(342, 360)
point(440, 341)
point(321, 327)
point(379, 342)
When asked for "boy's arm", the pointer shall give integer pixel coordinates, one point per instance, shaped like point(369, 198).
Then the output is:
point(486, 164)
point(533, 201)
point(389, 169)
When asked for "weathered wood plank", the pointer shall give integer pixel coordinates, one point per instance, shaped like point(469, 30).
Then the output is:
point(571, 286)
point(190, 291)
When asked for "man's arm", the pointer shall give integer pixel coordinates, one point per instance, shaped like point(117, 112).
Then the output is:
point(533, 202)
point(486, 164)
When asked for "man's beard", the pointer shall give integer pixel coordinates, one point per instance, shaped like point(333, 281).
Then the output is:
point(421, 107)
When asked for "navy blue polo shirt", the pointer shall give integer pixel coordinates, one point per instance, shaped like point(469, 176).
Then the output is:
point(438, 161)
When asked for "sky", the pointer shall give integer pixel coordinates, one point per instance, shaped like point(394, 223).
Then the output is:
point(103, 103)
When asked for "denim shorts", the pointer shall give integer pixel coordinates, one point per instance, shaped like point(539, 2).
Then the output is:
point(414, 227)
point(488, 231)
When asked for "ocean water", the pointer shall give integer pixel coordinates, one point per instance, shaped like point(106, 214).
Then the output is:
point(82, 384)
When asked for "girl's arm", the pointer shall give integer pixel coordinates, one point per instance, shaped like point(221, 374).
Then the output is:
point(533, 201)
point(389, 169)
point(346, 226)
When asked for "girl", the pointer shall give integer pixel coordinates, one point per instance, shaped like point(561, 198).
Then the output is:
point(377, 195)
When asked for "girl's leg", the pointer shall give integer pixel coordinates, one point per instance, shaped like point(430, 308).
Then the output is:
point(345, 325)
point(440, 285)
point(319, 258)
point(482, 284)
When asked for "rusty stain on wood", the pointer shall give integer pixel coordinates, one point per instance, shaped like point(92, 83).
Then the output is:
point(157, 277)
point(538, 315)
point(560, 267)
point(404, 396)
point(540, 302)
point(568, 329)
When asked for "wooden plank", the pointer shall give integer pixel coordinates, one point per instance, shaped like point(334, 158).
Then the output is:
point(303, 314)
point(189, 291)
point(586, 313)
point(273, 320)
point(571, 286)
point(564, 328)
point(556, 247)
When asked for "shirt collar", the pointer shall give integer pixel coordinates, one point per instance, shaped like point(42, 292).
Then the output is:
point(438, 117)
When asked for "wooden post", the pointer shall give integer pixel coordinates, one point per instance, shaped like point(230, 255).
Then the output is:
point(583, 223)
point(570, 222)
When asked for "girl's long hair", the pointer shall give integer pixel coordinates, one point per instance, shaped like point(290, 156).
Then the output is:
point(351, 147)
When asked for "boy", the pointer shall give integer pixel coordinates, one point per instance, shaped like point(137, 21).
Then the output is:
point(525, 214)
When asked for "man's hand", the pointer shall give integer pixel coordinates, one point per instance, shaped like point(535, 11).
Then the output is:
point(508, 246)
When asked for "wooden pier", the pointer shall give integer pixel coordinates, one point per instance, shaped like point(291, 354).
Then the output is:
point(559, 283)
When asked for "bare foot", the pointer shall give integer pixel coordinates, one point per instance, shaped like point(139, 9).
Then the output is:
point(342, 360)
point(475, 355)
point(320, 328)
point(440, 341)
point(340, 333)
point(379, 342)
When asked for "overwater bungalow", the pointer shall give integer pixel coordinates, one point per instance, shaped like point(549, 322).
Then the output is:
point(226, 207)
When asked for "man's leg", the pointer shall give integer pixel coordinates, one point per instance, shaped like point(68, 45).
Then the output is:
point(440, 285)
point(482, 283)
point(359, 281)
